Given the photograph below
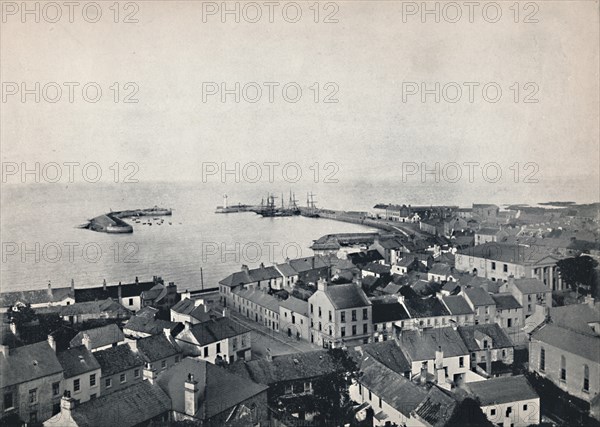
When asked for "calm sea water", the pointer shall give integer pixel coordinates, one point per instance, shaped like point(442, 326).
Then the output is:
point(40, 241)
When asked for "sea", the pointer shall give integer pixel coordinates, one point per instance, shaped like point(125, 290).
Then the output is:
point(195, 247)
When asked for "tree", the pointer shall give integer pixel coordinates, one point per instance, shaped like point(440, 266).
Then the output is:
point(580, 271)
point(21, 315)
point(468, 413)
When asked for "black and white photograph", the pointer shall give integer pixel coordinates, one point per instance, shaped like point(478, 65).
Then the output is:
point(304, 213)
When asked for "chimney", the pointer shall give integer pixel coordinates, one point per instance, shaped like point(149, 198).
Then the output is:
point(137, 280)
point(52, 342)
point(119, 290)
point(439, 358)
point(4, 350)
point(104, 285)
point(192, 396)
point(321, 284)
point(132, 344)
point(225, 312)
point(268, 355)
point(245, 268)
point(87, 342)
point(262, 265)
point(49, 288)
point(72, 285)
point(488, 362)
point(400, 299)
point(13, 329)
point(66, 405)
point(423, 375)
point(149, 374)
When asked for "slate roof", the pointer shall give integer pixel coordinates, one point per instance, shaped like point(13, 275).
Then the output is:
point(286, 270)
point(488, 231)
point(287, 367)
point(150, 325)
point(77, 360)
point(216, 330)
point(117, 359)
point(393, 388)
point(389, 354)
point(425, 307)
point(188, 307)
point(506, 301)
point(260, 298)
point(220, 390)
point(441, 269)
point(406, 261)
point(131, 406)
point(570, 341)
point(28, 363)
point(346, 296)
point(156, 347)
point(531, 286)
point(392, 288)
point(90, 307)
point(457, 305)
point(437, 407)
point(499, 338)
point(36, 296)
point(244, 277)
point(500, 390)
point(306, 264)
point(388, 311)
point(104, 335)
point(112, 291)
point(479, 297)
point(576, 317)
point(295, 304)
point(508, 253)
point(364, 257)
point(419, 346)
point(375, 267)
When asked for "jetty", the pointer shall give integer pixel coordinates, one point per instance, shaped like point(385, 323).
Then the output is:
point(113, 223)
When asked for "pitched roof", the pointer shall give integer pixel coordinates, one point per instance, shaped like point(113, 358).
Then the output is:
point(260, 298)
point(90, 307)
point(104, 335)
point(306, 264)
point(188, 307)
point(150, 325)
point(570, 341)
point(505, 301)
point(77, 360)
point(508, 253)
point(220, 390)
point(479, 296)
point(406, 261)
point(216, 330)
point(286, 270)
point(389, 354)
point(346, 296)
point(364, 257)
point(393, 388)
point(499, 338)
point(295, 304)
point(437, 407)
point(117, 359)
point(457, 305)
point(375, 267)
point(246, 276)
point(423, 345)
point(28, 363)
point(112, 291)
point(425, 307)
point(287, 367)
point(500, 390)
point(441, 269)
point(576, 317)
point(35, 296)
point(156, 347)
point(131, 406)
point(388, 311)
point(531, 286)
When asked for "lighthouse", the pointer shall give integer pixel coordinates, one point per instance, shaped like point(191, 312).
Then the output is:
point(224, 201)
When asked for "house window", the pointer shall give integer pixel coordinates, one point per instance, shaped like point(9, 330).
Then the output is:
point(485, 344)
point(306, 386)
point(93, 396)
point(33, 418)
point(330, 315)
point(493, 265)
point(354, 315)
point(542, 359)
point(365, 328)
point(493, 411)
point(360, 389)
point(130, 301)
point(343, 317)
point(33, 395)
point(461, 362)
point(92, 380)
point(76, 385)
point(8, 400)
point(136, 373)
point(55, 389)
point(108, 383)
point(380, 403)
point(205, 351)
point(123, 378)
point(370, 395)
point(311, 309)
point(563, 368)
point(353, 329)
point(319, 311)
point(365, 314)
point(508, 411)
point(525, 407)
point(586, 378)
point(343, 331)
point(218, 347)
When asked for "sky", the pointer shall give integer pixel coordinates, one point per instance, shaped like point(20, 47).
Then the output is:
point(373, 60)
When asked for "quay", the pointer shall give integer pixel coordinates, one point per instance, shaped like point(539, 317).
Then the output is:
point(113, 223)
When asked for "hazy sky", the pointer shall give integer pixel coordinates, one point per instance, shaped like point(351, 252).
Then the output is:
point(369, 54)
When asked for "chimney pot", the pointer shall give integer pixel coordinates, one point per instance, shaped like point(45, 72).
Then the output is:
point(192, 396)
point(87, 342)
point(52, 342)
point(49, 288)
